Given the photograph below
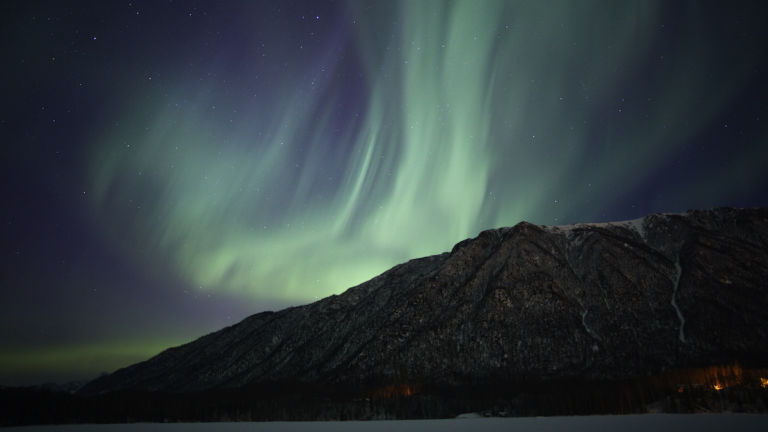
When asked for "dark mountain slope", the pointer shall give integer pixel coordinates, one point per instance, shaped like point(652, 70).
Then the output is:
point(607, 300)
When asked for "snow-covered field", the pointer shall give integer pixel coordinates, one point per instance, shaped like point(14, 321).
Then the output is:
point(628, 423)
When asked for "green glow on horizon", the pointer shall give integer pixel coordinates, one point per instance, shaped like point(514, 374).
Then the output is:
point(453, 139)
point(75, 361)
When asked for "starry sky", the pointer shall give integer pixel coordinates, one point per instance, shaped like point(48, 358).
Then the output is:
point(171, 167)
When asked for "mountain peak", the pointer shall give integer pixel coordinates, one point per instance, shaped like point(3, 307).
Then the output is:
point(601, 300)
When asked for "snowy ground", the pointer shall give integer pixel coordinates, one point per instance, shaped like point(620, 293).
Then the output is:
point(628, 423)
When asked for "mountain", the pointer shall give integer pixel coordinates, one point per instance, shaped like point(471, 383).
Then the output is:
point(601, 301)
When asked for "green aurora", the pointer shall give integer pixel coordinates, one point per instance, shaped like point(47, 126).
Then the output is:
point(474, 117)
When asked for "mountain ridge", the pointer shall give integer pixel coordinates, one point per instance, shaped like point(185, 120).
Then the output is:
point(603, 300)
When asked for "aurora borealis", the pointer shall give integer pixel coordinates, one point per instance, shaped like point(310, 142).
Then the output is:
point(172, 167)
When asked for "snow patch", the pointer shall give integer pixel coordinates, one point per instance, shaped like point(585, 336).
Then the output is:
point(586, 327)
point(636, 225)
point(639, 226)
point(676, 284)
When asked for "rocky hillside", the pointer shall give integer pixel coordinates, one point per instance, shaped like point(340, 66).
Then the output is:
point(605, 300)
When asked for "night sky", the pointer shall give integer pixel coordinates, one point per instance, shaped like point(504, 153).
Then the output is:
point(171, 167)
